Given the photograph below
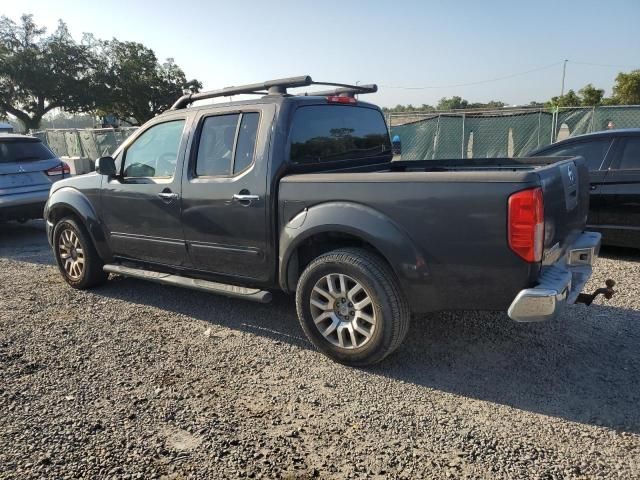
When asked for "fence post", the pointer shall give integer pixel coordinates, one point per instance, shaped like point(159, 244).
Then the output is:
point(554, 119)
point(539, 125)
point(436, 138)
point(462, 146)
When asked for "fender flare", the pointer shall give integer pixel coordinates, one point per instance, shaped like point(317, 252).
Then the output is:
point(357, 220)
point(68, 198)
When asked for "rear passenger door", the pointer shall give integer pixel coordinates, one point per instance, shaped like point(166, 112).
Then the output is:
point(620, 217)
point(224, 194)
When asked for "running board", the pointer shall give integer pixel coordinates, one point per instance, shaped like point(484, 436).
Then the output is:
point(253, 294)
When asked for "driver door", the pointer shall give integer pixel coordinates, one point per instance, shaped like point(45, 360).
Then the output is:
point(141, 206)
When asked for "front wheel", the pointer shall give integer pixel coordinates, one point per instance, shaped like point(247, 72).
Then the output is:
point(77, 258)
point(351, 308)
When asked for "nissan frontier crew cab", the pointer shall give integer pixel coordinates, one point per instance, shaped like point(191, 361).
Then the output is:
point(300, 193)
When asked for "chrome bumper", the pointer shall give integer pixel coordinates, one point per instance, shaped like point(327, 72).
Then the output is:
point(559, 284)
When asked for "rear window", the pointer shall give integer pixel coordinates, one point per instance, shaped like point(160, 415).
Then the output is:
point(23, 151)
point(592, 151)
point(631, 155)
point(329, 133)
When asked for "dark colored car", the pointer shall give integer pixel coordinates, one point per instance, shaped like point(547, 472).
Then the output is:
point(613, 159)
point(300, 193)
point(27, 170)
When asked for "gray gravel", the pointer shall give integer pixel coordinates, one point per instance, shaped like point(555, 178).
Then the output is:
point(135, 380)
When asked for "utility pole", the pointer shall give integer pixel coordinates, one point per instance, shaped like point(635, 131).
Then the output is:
point(564, 72)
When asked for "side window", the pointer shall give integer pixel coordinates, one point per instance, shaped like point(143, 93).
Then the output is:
point(630, 155)
point(219, 154)
point(246, 142)
point(155, 152)
point(593, 152)
point(215, 148)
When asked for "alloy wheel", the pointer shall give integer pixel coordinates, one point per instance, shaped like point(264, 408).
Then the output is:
point(343, 311)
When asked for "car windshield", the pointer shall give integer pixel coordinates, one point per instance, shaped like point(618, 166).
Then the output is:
point(23, 151)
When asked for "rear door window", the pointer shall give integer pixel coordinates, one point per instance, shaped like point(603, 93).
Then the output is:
point(215, 148)
point(593, 151)
point(23, 151)
point(329, 133)
point(630, 158)
point(226, 145)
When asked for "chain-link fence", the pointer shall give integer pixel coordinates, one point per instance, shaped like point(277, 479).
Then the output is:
point(87, 143)
point(500, 133)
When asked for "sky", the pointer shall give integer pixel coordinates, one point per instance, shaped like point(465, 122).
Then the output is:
point(460, 47)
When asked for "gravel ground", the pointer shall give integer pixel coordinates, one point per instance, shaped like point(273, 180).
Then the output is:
point(135, 380)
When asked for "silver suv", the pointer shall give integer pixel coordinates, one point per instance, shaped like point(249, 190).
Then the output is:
point(27, 170)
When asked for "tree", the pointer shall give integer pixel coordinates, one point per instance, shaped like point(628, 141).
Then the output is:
point(453, 103)
point(40, 72)
point(626, 90)
point(591, 96)
point(136, 86)
point(569, 99)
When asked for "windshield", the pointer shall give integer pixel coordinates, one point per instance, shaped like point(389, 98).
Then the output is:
point(329, 133)
point(23, 151)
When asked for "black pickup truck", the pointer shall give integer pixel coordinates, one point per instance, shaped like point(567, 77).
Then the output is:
point(300, 193)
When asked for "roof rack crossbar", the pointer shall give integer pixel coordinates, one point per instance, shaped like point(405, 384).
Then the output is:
point(343, 90)
point(273, 87)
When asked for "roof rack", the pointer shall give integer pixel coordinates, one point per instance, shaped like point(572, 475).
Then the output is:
point(275, 87)
point(344, 90)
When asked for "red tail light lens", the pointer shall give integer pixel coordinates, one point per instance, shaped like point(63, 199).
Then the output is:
point(526, 224)
point(62, 169)
point(339, 99)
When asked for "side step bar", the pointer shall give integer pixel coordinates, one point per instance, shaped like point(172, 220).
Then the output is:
point(235, 291)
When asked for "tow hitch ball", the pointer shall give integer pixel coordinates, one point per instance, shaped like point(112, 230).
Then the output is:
point(607, 291)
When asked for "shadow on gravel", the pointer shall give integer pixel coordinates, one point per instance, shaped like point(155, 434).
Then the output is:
point(25, 242)
point(583, 367)
point(620, 253)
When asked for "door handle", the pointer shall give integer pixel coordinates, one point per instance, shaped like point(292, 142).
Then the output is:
point(245, 197)
point(168, 195)
point(593, 187)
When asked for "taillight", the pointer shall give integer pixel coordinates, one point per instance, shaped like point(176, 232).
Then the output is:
point(341, 99)
point(61, 169)
point(526, 224)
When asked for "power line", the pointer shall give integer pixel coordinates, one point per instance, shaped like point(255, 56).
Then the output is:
point(478, 82)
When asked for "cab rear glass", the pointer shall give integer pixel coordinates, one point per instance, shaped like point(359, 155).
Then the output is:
point(333, 133)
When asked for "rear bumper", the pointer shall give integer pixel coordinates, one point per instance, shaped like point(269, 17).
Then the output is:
point(23, 205)
point(559, 284)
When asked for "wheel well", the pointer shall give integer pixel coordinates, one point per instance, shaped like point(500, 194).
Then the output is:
point(60, 212)
point(318, 244)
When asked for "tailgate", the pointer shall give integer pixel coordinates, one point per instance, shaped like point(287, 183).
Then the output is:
point(565, 186)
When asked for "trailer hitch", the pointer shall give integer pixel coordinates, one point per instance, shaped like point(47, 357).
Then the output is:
point(607, 291)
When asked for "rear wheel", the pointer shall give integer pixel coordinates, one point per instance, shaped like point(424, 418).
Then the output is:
point(76, 256)
point(351, 308)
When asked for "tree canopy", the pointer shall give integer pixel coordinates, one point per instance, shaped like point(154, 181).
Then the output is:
point(40, 72)
point(626, 91)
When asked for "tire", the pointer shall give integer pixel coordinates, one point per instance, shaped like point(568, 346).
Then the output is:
point(361, 332)
point(72, 245)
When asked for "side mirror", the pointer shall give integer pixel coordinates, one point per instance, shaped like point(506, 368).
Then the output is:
point(396, 145)
point(106, 166)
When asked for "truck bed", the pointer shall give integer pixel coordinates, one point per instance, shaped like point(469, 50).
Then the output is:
point(455, 212)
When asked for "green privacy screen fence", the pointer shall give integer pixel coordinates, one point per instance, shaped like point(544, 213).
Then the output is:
point(91, 143)
point(501, 133)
